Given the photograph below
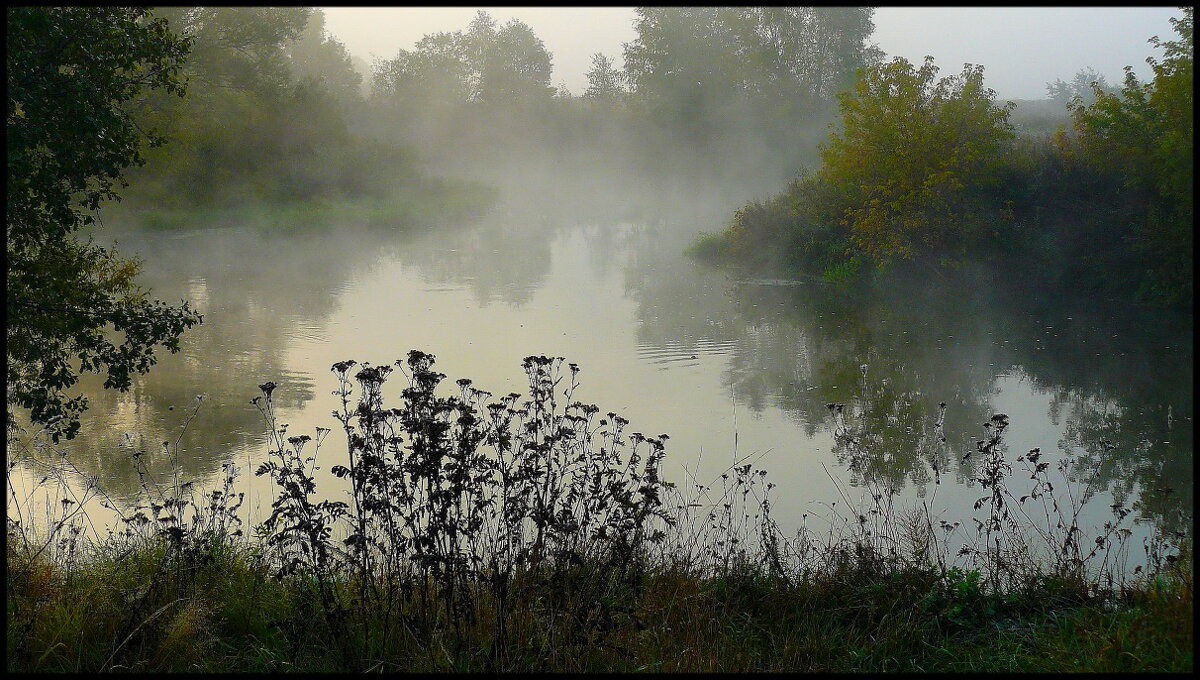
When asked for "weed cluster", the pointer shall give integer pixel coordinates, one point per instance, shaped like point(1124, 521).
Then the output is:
point(1024, 542)
point(461, 505)
point(135, 590)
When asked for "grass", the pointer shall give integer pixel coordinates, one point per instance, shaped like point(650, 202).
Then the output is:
point(426, 202)
point(239, 618)
point(532, 533)
point(711, 247)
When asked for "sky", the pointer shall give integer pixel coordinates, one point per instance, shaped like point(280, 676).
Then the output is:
point(1020, 48)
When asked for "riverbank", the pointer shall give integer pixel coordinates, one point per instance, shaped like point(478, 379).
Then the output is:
point(423, 203)
point(217, 608)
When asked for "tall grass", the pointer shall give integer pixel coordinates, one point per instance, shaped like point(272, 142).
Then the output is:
point(531, 532)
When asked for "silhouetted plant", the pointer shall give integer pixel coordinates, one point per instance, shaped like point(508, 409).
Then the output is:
point(457, 499)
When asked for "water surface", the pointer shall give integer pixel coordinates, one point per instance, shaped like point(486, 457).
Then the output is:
point(734, 367)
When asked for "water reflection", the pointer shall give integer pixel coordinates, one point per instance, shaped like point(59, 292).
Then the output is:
point(258, 292)
point(497, 264)
point(892, 356)
point(677, 346)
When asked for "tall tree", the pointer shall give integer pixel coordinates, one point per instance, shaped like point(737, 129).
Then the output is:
point(604, 82)
point(435, 72)
point(515, 67)
point(479, 38)
point(1141, 137)
point(317, 57)
point(685, 62)
point(707, 69)
point(73, 306)
point(913, 159)
point(246, 117)
point(239, 48)
point(1084, 85)
point(492, 65)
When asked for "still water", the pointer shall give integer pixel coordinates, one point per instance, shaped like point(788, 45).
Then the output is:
point(732, 367)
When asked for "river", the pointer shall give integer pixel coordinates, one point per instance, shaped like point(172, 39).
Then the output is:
point(733, 367)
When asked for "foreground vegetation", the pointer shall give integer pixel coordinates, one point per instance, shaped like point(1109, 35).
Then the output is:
point(223, 612)
point(529, 532)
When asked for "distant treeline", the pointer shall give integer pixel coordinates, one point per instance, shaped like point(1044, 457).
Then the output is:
point(276, 108)
point(929, 175)
point(711, 93)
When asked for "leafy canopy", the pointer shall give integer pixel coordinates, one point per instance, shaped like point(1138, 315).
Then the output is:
point(1083, 85)
point(239, 48)
point(914, 155)
point(506, 65)
point(266, 114)
point(605, 82)
point(316, 56)
point(692, 62)
point(1141, 137)
point(72, 73)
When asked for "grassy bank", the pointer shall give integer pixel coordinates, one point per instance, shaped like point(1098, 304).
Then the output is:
point(531, 532)
point(145, 611)
point(420, 204)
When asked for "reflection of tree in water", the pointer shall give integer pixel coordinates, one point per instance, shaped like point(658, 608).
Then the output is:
point(1121, 383)
point(1131, 451)
point(505, 258)
point(886, 434)
point(801, 346)
point(259, 286)
point(888, 365)
point(256, 290)
point(792, 347)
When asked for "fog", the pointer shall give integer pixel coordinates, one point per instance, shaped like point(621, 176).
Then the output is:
point(1022, 48)
point(732, 367)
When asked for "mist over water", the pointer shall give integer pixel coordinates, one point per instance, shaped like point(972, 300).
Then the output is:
point(733, 367)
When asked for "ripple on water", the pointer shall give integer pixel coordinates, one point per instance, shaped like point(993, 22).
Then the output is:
point(306, 333)
point(686, 352)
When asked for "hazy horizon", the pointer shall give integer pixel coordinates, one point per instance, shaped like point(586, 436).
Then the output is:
point(1020, 48)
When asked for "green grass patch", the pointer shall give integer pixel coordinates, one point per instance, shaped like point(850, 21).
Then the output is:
point(422, 204)
point(223, 611)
